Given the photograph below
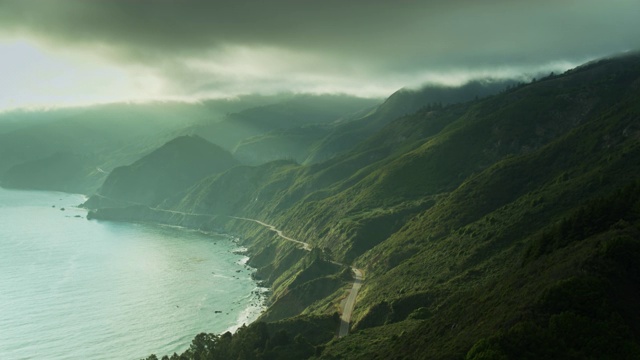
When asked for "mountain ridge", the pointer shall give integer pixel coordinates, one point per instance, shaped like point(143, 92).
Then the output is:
point(168, 170)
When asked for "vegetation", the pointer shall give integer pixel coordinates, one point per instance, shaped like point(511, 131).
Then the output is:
point(171, 169)
point(253, 342)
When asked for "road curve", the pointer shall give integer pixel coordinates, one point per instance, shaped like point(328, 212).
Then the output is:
point(305, 246)
point(358, 276)
point(350, 302)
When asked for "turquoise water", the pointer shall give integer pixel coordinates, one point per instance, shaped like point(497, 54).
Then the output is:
point(77, 289)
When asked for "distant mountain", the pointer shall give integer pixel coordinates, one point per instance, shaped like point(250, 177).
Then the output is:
point(280, 120)
point(66, 172)
point(311, 129)
point(97, 139)
point(493, 228)
point(166, 171)
point(93, 140)
point(290, 144)
point(403, 102)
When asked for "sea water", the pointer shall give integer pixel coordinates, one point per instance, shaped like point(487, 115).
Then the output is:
point(71, 288)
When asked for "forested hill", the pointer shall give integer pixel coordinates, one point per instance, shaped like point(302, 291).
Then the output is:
point(504, 227)
point(171, 169)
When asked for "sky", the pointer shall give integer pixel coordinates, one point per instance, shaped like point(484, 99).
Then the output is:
point(76, 52)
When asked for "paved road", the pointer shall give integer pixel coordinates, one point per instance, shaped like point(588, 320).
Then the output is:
point(358, 276)
point(305, 246)
point(350, 302)
point(151, 208)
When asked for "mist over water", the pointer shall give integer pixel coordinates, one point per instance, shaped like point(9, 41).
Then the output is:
point(72, 288)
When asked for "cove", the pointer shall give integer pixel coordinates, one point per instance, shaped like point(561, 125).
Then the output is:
point(72, 288)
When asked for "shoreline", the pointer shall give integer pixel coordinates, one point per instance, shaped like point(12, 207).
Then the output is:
point(253, 311)
point(259, 293)
point(257, 297)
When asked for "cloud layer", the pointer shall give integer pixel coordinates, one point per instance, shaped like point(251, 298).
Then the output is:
point(201, 48)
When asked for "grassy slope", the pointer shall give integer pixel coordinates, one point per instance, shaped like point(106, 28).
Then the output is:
point(465, 263)
point(170, 169)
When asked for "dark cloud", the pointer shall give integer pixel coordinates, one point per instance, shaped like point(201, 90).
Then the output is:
point(198, 44)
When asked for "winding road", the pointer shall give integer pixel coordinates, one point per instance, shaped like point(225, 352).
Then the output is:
point(349, 302)
point(305, 246)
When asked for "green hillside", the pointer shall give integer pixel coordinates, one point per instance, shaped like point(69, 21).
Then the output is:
point(168, 170)
point(504, 227)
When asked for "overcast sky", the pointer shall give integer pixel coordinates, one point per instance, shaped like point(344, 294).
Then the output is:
point(66, 52)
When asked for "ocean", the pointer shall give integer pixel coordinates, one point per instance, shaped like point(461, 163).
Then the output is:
point(71, 288)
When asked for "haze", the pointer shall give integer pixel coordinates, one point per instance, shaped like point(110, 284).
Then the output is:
point(72, 52)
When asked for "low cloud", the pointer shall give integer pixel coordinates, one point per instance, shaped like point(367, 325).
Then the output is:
point(214, 48)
